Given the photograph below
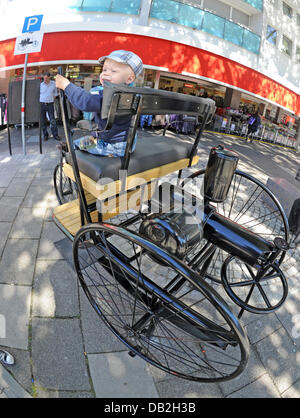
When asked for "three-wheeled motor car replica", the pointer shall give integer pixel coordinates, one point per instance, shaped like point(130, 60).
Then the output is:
point(154, 255)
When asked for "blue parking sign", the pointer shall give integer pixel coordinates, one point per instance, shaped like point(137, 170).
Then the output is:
point(32, 23)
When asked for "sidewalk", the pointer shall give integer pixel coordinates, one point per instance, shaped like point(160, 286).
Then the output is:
point(60, 347)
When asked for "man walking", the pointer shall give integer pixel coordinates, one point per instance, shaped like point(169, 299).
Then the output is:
point(48, 92)
point(253, 125)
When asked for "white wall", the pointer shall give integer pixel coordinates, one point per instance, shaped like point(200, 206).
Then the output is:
point(272, 61)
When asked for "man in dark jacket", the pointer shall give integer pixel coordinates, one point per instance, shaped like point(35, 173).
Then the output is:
point(253, 124)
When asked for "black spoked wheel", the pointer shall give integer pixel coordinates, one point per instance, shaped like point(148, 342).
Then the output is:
point(252, 205)
point(257, 291)
point(161, 310)
point(65, 189)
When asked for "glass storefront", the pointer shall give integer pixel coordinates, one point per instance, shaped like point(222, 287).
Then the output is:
point(275, 127)
point(82, 75)
point(193, 88)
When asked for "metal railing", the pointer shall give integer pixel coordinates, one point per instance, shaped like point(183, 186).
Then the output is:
point(110, 6)
point(196, 18)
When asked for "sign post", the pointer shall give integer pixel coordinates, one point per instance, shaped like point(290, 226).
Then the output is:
point(23, 105)
point(30, 41)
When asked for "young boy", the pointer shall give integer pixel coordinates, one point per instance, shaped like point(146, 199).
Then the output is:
point(119, 67)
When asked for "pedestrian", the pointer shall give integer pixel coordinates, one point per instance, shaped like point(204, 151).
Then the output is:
point(253, 125)
point(294, 222)
point(6, 358)
point(48, 92)
point(119, 67)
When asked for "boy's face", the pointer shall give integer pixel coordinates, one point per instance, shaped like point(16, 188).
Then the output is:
point(116, 72)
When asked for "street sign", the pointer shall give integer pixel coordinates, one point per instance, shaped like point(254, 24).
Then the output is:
point(29, 42)
point(32, 23)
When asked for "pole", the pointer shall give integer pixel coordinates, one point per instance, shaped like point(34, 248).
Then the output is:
point(8, 130)
point(297, 143)
point(23, 104)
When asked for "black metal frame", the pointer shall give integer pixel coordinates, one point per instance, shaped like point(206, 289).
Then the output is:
point(132, 102)
point(218, 230)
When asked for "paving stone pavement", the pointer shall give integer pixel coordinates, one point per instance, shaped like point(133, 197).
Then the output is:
point(61, 348)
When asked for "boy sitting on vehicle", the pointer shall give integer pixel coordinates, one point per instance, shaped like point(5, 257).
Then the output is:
point(119, 67)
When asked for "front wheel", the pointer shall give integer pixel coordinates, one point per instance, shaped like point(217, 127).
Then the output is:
point(253, 206)
point(257, 291)
point(158, 307)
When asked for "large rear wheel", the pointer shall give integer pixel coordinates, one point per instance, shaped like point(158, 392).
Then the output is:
point(162, 310)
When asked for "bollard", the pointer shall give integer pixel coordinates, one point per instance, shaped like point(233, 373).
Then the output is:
point(298, 175)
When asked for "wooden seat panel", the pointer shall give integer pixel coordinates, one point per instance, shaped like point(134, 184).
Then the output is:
point(103, 191)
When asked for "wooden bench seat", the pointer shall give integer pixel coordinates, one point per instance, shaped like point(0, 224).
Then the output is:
point(150, 152)
point(113, 185)
point(102, 191)
point(67, 216)
point(110, 195)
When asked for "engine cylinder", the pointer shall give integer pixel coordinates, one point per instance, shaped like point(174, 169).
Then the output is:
point(219, 172)
point(175, 232)
point(235, 239)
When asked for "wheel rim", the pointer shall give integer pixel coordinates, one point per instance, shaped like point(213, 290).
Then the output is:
point(255, 291)
point(184, 333)
point(252, 205)
point(64, 187)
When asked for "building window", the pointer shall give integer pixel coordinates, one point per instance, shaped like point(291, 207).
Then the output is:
point(287, 10)
point(217, 7)
point(271, 35)
point(240, 17)
point(287, 45)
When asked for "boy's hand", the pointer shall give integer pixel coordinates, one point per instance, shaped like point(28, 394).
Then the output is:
point(61, 82)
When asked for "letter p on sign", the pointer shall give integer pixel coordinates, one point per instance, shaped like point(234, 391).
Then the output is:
point(32, 23)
